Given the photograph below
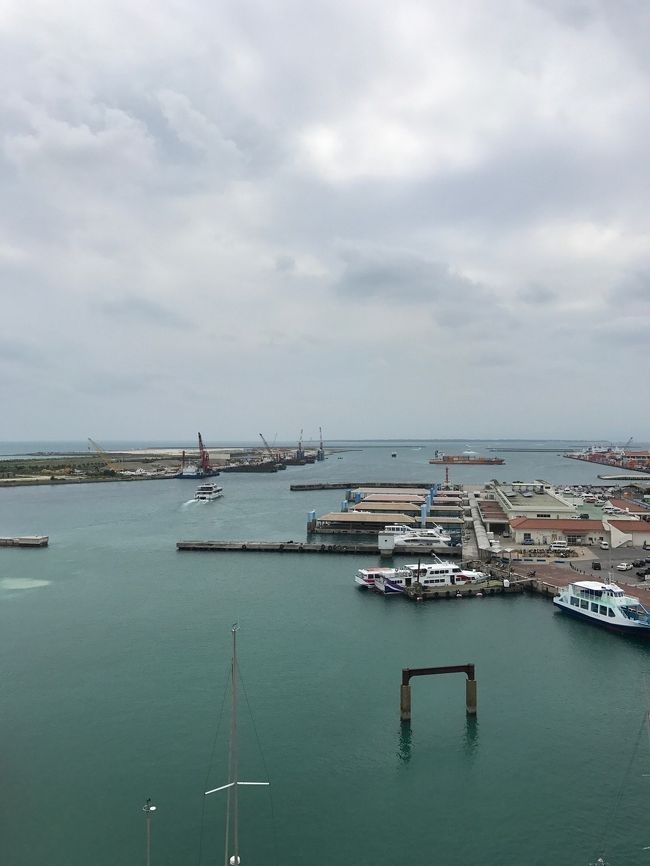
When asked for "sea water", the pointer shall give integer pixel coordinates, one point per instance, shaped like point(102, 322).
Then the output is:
point(114, 664)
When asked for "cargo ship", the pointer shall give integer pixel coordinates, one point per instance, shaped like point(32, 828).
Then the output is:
point(467, 457)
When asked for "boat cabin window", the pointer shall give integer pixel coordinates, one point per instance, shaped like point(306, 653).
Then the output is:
point(603, 610)
point(594, 607)
point(584, 604)
point(575, 601)
point(610, 612)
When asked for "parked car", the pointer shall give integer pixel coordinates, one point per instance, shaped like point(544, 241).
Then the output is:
point(596, 565)
point(624, 566)
point(638, 563)
point(604, 545)
point(644, 572)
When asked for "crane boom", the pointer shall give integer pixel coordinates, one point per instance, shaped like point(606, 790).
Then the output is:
point(103, 455)
point(204, 459)
point(268, 448)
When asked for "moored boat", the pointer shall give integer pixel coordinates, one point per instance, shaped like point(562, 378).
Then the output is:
point(466, 458)
point(427, 574)
point(604, 604)
point(421, 537)
point(366, 577)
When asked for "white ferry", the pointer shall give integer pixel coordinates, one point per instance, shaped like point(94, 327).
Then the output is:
point(407, 534)
point(423, 538)
point(366, 577)
point(208, 492)
point(605, 604)
point(429, 574)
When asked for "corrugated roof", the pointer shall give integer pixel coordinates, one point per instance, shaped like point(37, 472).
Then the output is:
point(577, 526)
point(386, 506)
point(394, 497)
point(355, 517)
point(630, 525)
point(422, 491)
point(632, 507)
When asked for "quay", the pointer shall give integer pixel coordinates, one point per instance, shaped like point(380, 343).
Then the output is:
point(301, 547)
point(25, 541)
point(639, 476)
point(346, 485)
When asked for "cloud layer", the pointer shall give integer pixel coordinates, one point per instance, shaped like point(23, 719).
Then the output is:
point(246, 216)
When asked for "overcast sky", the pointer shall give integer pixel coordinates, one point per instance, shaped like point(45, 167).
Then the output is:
point(420, 219)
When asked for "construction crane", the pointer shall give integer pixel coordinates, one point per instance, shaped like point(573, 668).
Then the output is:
point(105, 458)
point(272, 455)
point(300, 453)
point(204, 459)
point(320, 454)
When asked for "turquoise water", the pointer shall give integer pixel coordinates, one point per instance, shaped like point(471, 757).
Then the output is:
point(114, 651)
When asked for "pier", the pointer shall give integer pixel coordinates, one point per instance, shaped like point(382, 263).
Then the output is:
point(25, 541)
point(300, 547)
point(345, 485)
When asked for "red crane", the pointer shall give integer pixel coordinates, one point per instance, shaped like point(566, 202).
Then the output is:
point(204, 459)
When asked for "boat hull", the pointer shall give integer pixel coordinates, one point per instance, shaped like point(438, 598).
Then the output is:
point(621, 628)
point(459, 461)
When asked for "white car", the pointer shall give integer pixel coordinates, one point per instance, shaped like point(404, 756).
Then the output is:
point(624, 566)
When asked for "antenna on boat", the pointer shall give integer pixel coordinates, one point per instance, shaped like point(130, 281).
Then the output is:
point(148, 810)
point(232, 803)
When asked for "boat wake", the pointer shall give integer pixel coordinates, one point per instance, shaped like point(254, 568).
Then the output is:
point(22, 583)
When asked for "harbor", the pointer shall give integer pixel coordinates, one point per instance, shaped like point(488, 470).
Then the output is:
point(119, 636)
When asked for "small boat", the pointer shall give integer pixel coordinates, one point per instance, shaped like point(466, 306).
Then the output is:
point(397, 529)
point(232, 807)
point(366, 577)
point(208, 492)
point(394, 454)
point(604, 604)
point(427, 574)
point(419, 537)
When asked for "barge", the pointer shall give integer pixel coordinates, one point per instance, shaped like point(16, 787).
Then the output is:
point(467, 458)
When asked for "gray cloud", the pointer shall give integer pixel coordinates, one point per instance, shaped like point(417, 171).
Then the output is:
point(143, 311)
point(536, 294)
point(270, 185)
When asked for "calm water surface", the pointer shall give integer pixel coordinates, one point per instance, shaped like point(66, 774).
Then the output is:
point(114, 653)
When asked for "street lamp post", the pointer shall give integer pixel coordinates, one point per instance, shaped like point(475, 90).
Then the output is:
point(148, 810)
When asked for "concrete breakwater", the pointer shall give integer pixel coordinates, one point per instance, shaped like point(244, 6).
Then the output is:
point(299, 547)
point(25, 541)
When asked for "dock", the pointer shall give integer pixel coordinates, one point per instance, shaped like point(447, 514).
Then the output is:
point(301, 547)
point(345, 485)
point(25, 541)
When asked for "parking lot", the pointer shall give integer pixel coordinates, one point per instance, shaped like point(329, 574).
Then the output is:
point(609, 559)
